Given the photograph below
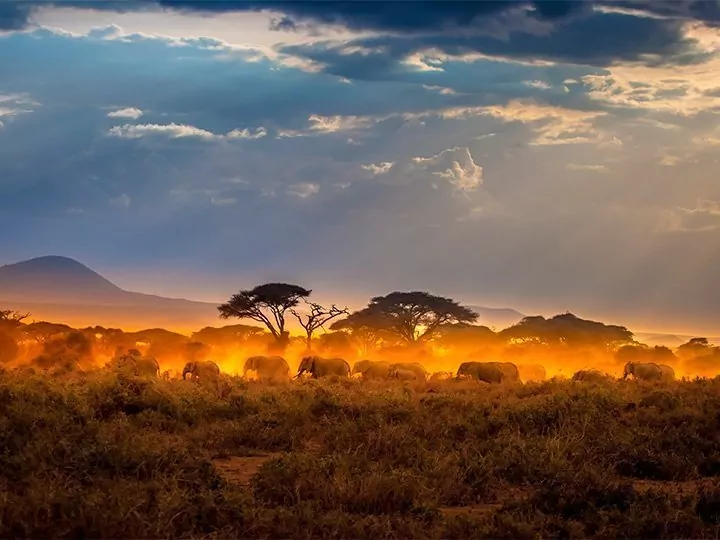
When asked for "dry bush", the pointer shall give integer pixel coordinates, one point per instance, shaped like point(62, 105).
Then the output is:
point(117, 456)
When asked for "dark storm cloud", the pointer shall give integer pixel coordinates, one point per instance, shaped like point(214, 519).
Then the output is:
point(555, 31)
point(580, 41)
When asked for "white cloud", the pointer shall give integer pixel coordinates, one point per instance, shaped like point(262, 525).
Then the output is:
point(14, 104)
point(324, 125)
point(130, 112)
point(456, 165)
point(121, 201)
point(246, 133)
point(379, 168)
point(439, 89)
point(247, 35)
point(177, 131)
point(586, 167)
point(303, 190)
point(684, 88)
point(542, 85)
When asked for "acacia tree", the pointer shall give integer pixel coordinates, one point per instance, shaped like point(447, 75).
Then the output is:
point(414, 317)
point(315, 318)
point(266, 304)
point(367, 330)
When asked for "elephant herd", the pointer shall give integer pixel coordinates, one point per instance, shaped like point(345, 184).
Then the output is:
point(276, 369)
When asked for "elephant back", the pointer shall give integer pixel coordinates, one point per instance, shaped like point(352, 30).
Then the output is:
point(415, 367)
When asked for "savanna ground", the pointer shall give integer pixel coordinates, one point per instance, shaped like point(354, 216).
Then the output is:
point(99, 455)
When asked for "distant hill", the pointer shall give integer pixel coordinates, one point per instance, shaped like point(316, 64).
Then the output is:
point(62, 289)
point(499, 318)
point(670, 340)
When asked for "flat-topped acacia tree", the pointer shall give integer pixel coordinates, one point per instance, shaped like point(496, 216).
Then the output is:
point(267, 304)
point(412, 317)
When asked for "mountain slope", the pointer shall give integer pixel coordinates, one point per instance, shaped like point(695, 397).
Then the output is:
point(497, 317)
point(62, 289)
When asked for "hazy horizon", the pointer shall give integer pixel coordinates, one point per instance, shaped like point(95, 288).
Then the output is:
point(504, 154)
point(165, 288)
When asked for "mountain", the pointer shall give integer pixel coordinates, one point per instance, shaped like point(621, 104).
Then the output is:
point(62, 289)
point(499, 318)
point(671, 340)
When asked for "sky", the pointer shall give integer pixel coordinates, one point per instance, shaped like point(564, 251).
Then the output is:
point(545, 156)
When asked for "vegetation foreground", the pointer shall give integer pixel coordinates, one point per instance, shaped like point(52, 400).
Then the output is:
point(101, 455)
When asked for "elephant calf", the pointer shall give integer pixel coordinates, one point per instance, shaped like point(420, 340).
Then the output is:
point(204, 371)
point(649, 371)
point(371, 369)
point(591, 375)
point(405, 374)
point(323, 367)
point(416, 367)
point(268, 368)
point(142, 366)
point(441, 376)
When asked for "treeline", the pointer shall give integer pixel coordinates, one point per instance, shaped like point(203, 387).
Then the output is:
point(431, 329)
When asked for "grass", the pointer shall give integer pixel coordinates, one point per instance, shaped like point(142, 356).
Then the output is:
point(100, 455)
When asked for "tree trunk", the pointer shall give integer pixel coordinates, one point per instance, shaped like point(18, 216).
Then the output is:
point(280, 344)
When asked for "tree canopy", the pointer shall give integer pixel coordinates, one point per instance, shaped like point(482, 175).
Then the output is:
point(464, 337)
point(411, 316)
point(266, 304)
point(568, 330)
point(232, 335)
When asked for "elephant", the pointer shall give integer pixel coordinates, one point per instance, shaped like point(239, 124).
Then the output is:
point(372, 369)
point(204, 370)
point(441, 376)
point(268, 368)
point(591, 375)
point(649, 371)
point(511, 373)
point(415, 367)
point(489, 372)
point(532, 372)
point(323, 367)
point(404, 374)
point(133, 362)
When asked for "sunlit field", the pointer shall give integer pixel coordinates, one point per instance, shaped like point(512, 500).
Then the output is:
point(557, 427)
point(99, 454)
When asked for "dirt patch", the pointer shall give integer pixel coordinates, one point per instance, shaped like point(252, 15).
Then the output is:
point(239, 470)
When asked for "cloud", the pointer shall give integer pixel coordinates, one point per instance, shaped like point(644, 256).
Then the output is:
point(324, 125)
point(246, 133)
point(12, 105)
point(439, 89)
point(682, 88)
point(121, 201)
point(456, 165)
point(130, 112)
point(178, 131)
point(703, 217)
point(380, 168)
point(303, 190)
point(586, 167)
